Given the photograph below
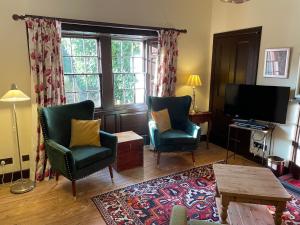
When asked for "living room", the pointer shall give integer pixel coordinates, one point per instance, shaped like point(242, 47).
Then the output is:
point(51, 201)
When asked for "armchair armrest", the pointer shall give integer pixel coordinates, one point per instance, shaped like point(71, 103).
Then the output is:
point(193, 130)
point(154, 133)
point(109, 140)
point(60, 158)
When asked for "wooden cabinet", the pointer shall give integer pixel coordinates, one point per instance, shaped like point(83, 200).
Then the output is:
point(129, 151)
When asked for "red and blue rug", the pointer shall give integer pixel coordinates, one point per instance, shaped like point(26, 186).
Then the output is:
point(151, 202)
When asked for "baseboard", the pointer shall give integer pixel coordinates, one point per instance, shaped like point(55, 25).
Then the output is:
point(16, 175)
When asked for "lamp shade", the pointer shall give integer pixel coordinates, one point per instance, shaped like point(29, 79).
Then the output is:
point(14, 95)
point(194, 80)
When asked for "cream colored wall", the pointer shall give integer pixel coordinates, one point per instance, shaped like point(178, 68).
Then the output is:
point(280, 22)
point(193, 15)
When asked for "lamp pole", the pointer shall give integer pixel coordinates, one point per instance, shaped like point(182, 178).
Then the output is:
point(194, 99)
point(18, 142)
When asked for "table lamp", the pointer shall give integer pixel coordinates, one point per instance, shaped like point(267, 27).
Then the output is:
point(12, 96)
point(194, 81)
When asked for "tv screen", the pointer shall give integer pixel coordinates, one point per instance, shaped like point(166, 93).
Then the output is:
point(267, 103)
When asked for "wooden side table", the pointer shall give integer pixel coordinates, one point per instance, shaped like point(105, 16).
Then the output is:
point(202, 117)
point(130, 151)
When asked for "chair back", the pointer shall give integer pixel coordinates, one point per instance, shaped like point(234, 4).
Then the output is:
point(56, 120)
point(178, 108)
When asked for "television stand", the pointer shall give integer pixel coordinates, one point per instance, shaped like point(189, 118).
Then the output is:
point(265, 129)
point(252, 124)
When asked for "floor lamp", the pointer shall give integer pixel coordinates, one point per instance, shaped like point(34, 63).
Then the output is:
point(12, 96)
point(194, 81)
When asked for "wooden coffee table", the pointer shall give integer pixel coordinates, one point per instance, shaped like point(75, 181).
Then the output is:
point(245, 184)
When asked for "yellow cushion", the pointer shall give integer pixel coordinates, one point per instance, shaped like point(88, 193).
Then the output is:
point(85, 132)
point(162, 120)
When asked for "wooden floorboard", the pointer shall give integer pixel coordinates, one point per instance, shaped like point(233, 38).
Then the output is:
point(52, 203)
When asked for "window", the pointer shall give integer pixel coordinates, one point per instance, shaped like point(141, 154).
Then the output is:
point(128, 67)
point(82, 69)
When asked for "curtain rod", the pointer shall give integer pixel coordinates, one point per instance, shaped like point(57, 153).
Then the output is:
point(95, 23)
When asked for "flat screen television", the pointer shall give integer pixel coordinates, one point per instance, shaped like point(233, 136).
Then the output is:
point(257, 102)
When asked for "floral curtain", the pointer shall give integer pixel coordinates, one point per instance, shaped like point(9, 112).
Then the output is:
point(44, 40)
point(164, 83)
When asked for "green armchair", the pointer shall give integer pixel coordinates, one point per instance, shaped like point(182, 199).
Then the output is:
point(184, 135)
point(77, 162)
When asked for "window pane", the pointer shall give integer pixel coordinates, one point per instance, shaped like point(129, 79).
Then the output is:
point(115, 48)
point(80, 83)
point(81, 59)
point(140, 81)
point(139, 96)
point(129, 81)
point(95, 97)
point(137, 48)
point(77, 46)
point(126, 48)
point(128, 60)
point(69, 83)
point(66, 47)
point(90, 47)
point(126, 65)
point(70, 98)
point(137, 65)
point(67, 64)
point(129, 96)
point(82, 96)
point(116, 65)
point(79, 65)
point(118, 89)
point(91, 65)
point(93, 82)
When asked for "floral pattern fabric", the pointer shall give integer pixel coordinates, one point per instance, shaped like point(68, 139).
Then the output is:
point(167, 63)
point(44, 41)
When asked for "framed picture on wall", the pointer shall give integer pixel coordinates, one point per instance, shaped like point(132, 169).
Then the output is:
point(297, 91)
point(277, 62)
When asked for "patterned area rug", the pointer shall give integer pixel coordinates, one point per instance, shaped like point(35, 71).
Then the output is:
point(151, 202)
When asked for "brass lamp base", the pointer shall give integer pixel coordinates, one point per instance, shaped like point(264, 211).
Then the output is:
point(22, 186)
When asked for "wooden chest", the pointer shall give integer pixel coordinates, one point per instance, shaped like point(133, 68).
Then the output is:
point(129, 151)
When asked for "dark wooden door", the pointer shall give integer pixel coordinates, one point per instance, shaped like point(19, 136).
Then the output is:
point(235, 60)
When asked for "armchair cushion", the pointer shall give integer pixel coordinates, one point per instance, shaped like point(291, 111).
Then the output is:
point(85, 132)
point(162, 120)
point(87, 155)
point(174, 137)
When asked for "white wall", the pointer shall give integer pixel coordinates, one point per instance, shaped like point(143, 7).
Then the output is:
point(194, 46)
point(280, 22)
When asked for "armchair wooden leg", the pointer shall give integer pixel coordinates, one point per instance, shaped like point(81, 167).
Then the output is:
point(158, 158)
point(57, 175)
point(74, 188)
point(111, 173)
point(193, 158)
